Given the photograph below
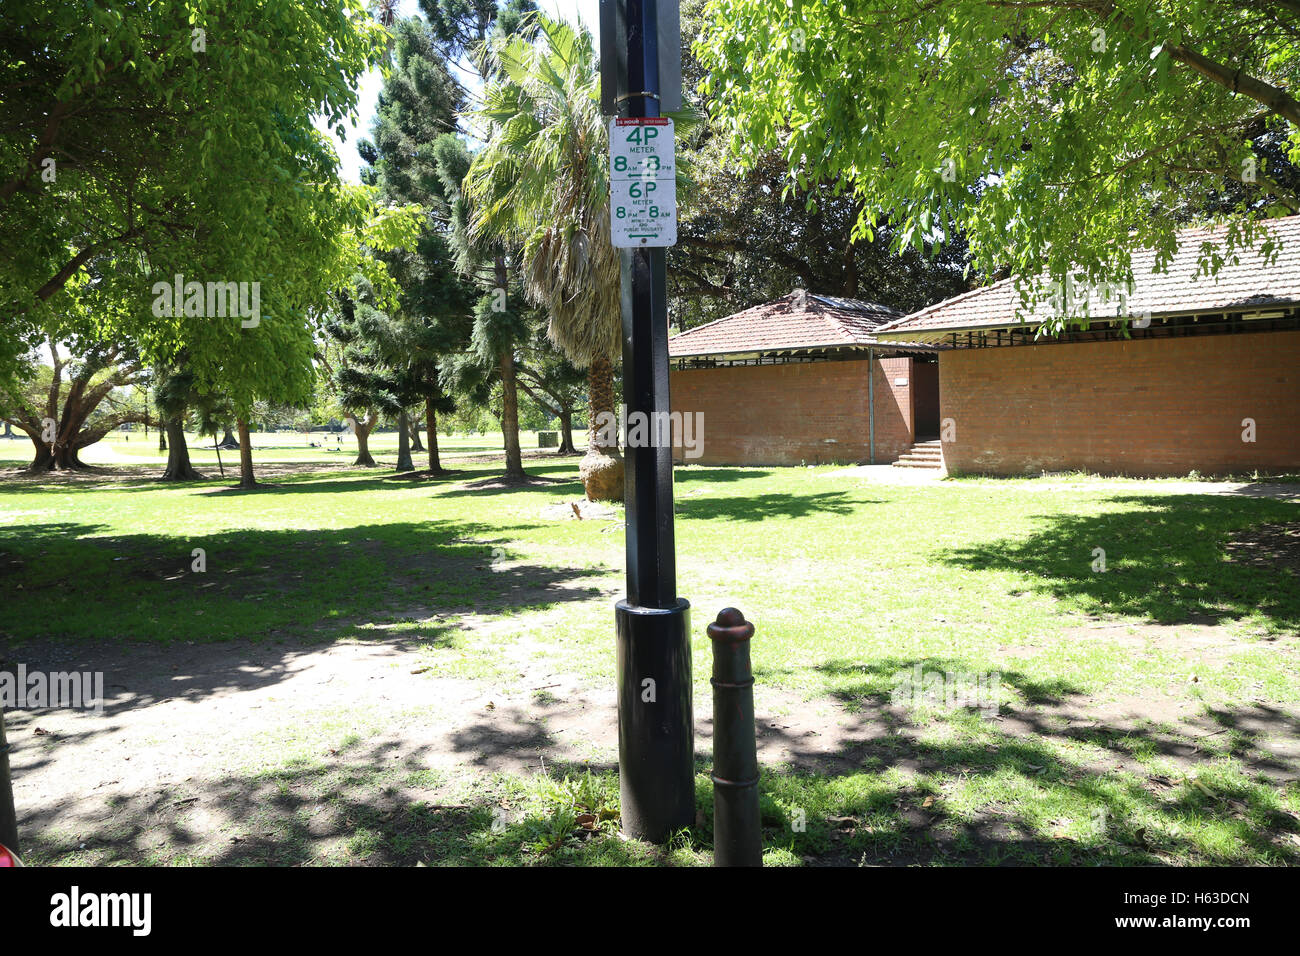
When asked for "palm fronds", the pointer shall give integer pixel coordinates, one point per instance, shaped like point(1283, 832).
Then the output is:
point(541, 184)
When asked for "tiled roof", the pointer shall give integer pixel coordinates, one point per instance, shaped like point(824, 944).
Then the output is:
point(1247, 284)
point(800, 320)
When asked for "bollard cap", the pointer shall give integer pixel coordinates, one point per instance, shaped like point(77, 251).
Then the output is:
point(731, 627)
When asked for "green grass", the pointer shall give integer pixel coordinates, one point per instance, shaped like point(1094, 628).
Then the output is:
point(849, 584)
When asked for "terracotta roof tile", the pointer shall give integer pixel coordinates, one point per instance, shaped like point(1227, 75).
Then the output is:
point(796, 321)
point(1250, 282)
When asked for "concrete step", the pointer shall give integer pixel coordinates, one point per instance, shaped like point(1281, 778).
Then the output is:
point(923, 454)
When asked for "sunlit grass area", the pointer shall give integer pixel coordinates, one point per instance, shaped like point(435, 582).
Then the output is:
point(325, 447)
point(850, 585)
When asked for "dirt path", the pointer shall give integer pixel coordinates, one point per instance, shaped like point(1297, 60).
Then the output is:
point(178, 720)
point(192, 711)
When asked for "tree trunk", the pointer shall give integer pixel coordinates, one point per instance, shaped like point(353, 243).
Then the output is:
point(566, 432)
point(361, 430)
point(404, 462)
point(417, 445)
point(510, 417)
point(55, 456)
point(162, 437)
point(9, 432)
point(601, 468)
point(8, 816)
point(246, 477)
point(178, 454)
point(228, 440)
point(363, 449)
point(431, 432)
point(63, 452)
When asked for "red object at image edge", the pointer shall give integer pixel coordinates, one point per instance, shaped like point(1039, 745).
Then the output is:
point(7, 858)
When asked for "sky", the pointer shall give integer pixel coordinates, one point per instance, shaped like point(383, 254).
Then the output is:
point(574, 11)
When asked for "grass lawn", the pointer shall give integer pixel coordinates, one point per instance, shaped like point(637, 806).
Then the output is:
point(1144, 714)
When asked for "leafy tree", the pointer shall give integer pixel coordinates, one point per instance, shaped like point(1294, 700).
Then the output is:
point(191, 155)
point(461, 30)
point(554, 384)
point(1054, 134)
point(743, 238)
point(74, 401)
point(360, 368)
point(176, 395)
point(499, 325)
point(462, 27)
point(418, 105)
point(182, 132)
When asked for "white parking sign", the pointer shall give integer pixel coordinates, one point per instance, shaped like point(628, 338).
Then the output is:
point(642, 183)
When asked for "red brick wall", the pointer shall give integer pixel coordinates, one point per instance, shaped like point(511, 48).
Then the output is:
point(784, 414)
point(1143, 407)
point(894, 409)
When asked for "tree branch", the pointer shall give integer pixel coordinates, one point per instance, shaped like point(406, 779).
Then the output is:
point(1273, 98)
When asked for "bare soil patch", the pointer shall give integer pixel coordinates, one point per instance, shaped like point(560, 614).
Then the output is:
point(1269, 546)
point(179, 719)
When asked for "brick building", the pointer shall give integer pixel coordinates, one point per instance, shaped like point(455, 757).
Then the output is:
point(802, 379)
point(1211, 384)
point(1216, 361)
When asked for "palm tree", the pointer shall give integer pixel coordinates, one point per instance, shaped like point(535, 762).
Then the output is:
point(384, 11)
point(541, 186)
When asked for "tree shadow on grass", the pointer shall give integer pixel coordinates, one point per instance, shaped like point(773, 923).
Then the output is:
point(1166, 560)
point(761, 507)
point(372, 805)
point(694, 474)
point(977, 795)
point(259, 584)
point(1051, 781)
point(531, 484)
point(280, 476)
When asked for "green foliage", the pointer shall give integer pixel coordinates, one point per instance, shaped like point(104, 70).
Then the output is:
point(431, 311)
point(461, 27)
point(418, 104)
point(541, 185)
point(744, 239)
point(370, 343)
point(1055, 135)
point(183, 141)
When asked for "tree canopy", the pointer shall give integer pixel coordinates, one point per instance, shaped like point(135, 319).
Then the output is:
point(181, 134)
point(1055, 135)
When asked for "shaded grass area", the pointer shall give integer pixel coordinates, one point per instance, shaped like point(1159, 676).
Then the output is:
point(206, 562)
point(989, 801)
point(268, 448)
point(1167, 559)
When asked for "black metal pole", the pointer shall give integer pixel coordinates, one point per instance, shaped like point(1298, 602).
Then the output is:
point(8, 816)
point(656, 742)
point(737, 836)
